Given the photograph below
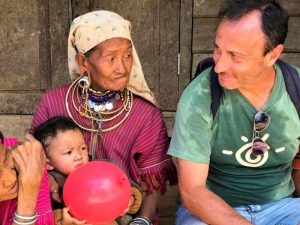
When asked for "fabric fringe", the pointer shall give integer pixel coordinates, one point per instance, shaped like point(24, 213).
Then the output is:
point(156, 177)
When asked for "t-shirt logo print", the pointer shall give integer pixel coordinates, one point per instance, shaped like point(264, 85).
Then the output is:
point(245, 156)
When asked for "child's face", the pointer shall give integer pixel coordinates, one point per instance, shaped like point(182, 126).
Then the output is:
point(67, 151)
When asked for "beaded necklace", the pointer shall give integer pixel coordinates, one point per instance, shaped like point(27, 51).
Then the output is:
point(98, 107)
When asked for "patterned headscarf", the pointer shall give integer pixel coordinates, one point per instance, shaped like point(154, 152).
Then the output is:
point(92, 28)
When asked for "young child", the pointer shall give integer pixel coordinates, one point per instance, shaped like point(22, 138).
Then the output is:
point(66, 149)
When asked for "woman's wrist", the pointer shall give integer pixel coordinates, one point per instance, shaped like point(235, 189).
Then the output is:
point(24, 219)
point(26, 203)
point(141, 220)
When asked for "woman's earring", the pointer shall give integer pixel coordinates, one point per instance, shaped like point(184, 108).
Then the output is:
point(84, 82)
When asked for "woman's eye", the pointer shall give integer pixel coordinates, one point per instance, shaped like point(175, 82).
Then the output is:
point(127, 56)
point(111, 59)
point(84, 148)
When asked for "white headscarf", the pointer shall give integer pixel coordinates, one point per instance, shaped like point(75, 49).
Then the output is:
point(89, 30)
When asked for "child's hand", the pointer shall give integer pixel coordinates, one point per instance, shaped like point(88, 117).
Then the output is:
point(54, 187)
point(67, 219)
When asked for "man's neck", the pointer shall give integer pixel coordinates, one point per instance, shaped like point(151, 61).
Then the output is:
point(259, 93)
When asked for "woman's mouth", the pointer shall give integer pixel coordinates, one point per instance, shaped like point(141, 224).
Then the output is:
point(120, 77)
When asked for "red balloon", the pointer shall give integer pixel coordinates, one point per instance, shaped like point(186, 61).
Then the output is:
point(97, 192)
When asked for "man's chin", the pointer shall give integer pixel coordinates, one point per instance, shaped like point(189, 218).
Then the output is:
point(228, 86)
point(228, 83)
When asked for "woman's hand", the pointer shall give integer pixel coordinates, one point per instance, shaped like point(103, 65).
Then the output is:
point(29, 159)
point(67, 219)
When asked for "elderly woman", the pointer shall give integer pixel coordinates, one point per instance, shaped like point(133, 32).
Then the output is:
point(24, 195)
point(110, 100)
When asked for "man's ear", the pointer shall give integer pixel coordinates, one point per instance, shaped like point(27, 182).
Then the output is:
point(49, 165)
point(82, 63)
point(274, 54)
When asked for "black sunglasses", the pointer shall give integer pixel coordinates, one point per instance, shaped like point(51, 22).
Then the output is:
point(261, 122)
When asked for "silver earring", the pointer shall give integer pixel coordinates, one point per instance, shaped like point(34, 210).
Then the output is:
point(84, 82)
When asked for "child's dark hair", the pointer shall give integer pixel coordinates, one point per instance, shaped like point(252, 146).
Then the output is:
point(48, 130)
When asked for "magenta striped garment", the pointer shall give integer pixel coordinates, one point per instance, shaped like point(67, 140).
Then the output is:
point(138, 145)
point(10, 142)
point(43, 207)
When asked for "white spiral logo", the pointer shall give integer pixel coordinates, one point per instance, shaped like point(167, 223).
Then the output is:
point(245, 156)
point(254, 161)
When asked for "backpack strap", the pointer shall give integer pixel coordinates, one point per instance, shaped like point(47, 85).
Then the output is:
point(292, 83)
point(216, 89)
point(216, 92)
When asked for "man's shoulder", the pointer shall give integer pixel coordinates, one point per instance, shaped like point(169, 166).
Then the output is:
point(297, 69)
point(281, 63)
point(199, 86)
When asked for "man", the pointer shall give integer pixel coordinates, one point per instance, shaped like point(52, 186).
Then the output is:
point(236, 168)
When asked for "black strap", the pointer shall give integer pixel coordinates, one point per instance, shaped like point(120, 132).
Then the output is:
point(1, 138)
point(217, 92)
point(216, 89)
point(292, 83)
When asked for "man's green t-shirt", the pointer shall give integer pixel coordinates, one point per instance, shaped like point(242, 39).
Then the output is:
point(236, 175)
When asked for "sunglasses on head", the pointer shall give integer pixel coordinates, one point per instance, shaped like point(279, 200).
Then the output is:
point(261, 122)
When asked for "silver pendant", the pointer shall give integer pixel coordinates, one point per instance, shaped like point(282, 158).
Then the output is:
point(99, 108)
point(91, 104)
point(108, 105)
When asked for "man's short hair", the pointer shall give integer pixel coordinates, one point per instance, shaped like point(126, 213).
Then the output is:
point(274, 18)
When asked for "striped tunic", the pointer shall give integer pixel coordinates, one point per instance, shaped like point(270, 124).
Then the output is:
point(138, 145)
point(43, 207)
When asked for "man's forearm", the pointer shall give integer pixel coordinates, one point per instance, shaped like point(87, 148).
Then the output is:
point(210, 208)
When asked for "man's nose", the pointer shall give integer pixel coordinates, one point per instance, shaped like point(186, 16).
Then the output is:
point(221, 63)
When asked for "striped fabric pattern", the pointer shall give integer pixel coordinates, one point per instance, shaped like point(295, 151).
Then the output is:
point(43, 208)
point(138, 145)
point(140, 140)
